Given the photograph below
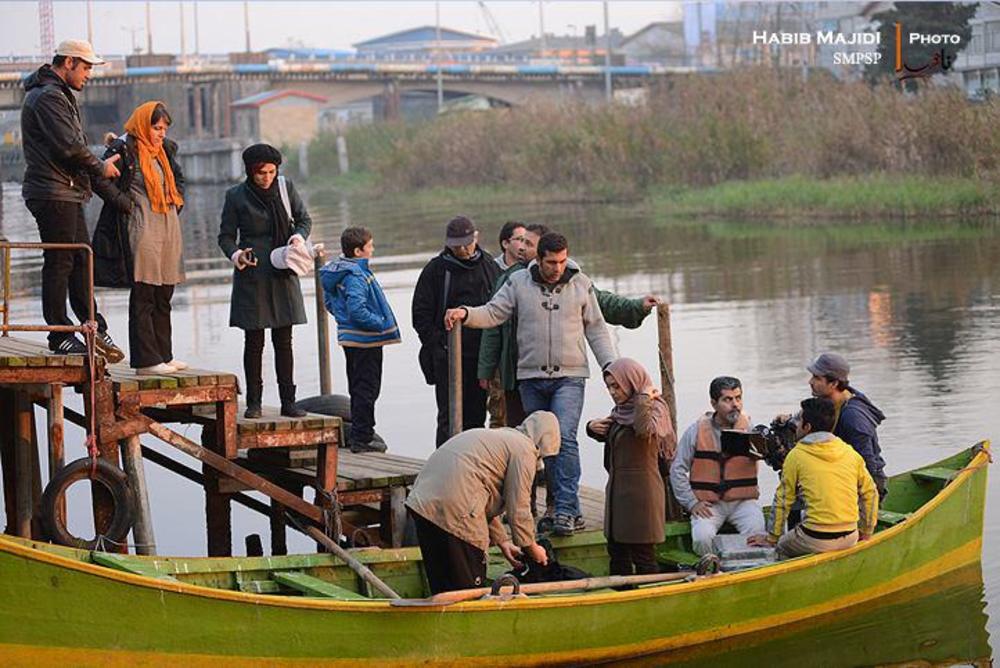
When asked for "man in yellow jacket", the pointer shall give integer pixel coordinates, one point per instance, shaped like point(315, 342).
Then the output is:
point(832, 480)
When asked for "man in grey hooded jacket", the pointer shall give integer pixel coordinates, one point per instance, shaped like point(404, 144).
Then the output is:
point(557, 316)
point(464, 488)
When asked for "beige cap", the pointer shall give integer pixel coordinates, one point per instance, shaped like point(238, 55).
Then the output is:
point(79, 48)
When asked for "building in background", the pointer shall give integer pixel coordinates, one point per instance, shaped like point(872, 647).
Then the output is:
point(660, 43)
point(422, 44)
point(278, 117)
point(979, 63)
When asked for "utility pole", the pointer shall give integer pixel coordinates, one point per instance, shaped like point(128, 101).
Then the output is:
point(180, 6)
point(149, 30)
point(246, 22)
point(607, 54)
point(437, 54)
point(197, 43)
point(90, 24)
point(47, 29)
point(541, 30)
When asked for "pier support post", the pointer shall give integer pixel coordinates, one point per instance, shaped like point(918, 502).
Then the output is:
point(455, 379)
point(279, 538)
point(23, 415)
point(675, 512)
point(218, 505)
point(326, 490)
point(142, 529)
point(103, 503)
point(7, 459)
point(55, 423)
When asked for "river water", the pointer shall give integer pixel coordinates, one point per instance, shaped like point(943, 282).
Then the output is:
point(912, 305)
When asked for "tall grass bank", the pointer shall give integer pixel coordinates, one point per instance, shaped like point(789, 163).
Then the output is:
point(695, 133)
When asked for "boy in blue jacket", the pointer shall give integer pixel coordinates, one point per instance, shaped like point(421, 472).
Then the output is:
point(365, 323)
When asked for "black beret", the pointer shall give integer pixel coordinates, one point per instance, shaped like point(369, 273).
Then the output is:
point(261, 153)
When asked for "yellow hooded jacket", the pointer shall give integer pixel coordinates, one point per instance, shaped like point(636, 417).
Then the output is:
point(831, 478)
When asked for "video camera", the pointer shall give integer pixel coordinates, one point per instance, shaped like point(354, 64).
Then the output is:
point(772, 443)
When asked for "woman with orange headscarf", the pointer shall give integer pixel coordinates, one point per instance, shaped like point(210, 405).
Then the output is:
point(140, 246)
point(637, 434)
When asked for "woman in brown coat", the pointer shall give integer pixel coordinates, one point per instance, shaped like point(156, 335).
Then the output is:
point(636, 434)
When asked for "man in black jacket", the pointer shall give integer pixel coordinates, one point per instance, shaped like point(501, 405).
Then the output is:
point(461, 274)
point(57, 182)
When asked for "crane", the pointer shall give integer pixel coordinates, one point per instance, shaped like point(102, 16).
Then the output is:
point(491, 22)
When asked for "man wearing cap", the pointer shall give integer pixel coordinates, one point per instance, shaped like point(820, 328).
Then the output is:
point(462, 273)
point(57, 182)
point(856, 418)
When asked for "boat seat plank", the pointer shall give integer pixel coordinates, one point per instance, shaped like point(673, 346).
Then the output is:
point(260, 587)
point(934, 474)
point(312, 586)
point(124, 563)
point(891, 518)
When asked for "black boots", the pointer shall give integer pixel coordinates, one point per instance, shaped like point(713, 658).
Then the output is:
point(254, 393)
point(288, 407)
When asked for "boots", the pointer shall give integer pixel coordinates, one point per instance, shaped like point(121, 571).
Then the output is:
point(288, 407)
point(254, 393)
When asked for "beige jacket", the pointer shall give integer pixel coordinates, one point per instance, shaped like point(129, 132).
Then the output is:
point(478, 475)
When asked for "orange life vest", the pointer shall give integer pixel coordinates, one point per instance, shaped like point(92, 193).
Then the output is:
point(715, 477)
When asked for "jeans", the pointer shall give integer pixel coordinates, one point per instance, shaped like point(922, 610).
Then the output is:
point(564, 398)
point(63, 271)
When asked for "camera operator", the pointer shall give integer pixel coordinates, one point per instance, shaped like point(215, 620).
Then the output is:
point(713, 487)
point(856, 418)
point(832, 481)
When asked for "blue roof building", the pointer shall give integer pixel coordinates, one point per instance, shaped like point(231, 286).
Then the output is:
point(422, 44)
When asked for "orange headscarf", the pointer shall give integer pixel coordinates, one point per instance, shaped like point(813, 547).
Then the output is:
point(139, 125)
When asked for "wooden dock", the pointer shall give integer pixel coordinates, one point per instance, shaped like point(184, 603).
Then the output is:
point(359, 496)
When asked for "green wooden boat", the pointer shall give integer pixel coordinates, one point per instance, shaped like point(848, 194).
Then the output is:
point(71, 607)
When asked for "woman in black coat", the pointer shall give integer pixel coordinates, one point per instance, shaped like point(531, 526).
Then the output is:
point(255, 222)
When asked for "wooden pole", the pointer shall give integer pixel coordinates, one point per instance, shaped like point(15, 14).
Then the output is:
point(666, 355)
point(322, 331)
point(22, 464)
point(586, 584)
point(142, 528)
point(352, 562)
point(8, 459)
point(455, 379)
point(55, 421)
point(675, 513)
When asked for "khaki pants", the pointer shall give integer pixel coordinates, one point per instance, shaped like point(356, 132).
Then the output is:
point(796, 543)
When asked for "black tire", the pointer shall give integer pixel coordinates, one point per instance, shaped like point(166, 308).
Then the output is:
point(337, 405)
point(112, 478)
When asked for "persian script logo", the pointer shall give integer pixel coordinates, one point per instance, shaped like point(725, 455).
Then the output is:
point(940, 61)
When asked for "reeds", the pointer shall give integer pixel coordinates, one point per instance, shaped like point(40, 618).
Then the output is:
point(694, 131)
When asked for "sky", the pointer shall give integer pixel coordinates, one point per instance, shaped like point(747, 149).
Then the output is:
point(313, 23)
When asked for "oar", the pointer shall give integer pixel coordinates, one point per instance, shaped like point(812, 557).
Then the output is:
point(449, 597)
point(355, 565)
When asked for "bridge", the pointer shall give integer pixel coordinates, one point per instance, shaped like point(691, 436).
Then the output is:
point(199, 95)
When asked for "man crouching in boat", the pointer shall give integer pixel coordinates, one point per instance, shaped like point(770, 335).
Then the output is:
point(832, 480)
point(464, 488)
point(713, 487)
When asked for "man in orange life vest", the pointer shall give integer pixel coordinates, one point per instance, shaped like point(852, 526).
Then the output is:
point(716, 489)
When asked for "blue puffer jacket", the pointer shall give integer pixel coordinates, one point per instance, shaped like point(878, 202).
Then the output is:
point(355, 298)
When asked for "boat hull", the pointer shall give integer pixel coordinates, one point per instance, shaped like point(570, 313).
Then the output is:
point(58, 610)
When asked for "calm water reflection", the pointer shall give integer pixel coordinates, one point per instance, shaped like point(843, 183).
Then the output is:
point(914, 307)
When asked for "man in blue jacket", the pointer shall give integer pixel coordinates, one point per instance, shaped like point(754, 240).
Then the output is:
point(856, 419)
point(365, 323)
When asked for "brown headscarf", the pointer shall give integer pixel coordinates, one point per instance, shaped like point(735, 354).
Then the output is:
point(139, 125)
point(633, 378)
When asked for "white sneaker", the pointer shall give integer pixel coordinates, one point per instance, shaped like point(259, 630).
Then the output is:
point(178, 365)
point(160, 369)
